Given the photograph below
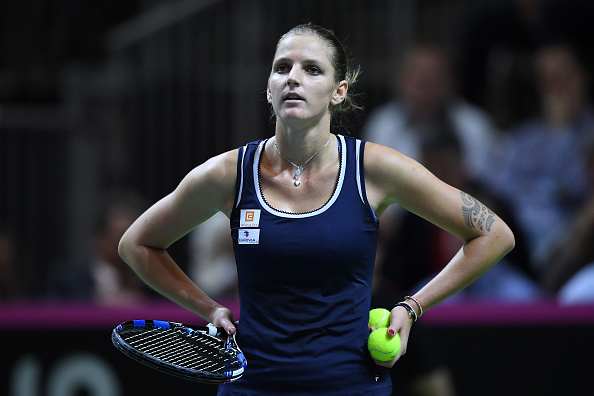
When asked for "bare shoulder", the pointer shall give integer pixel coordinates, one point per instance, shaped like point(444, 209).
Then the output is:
point(219, 170)
point(387, 173)
point(212, 182)
point(204, 191)
point(391, 177)
point(381, 159)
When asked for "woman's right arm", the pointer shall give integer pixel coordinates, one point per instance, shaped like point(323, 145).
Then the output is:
point(207, 189)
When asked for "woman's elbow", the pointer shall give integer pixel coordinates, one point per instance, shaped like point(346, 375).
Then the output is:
point(508, 240)
point(126, 248)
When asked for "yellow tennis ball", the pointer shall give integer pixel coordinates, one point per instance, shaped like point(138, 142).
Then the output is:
point(379, 317)
point(383, 346)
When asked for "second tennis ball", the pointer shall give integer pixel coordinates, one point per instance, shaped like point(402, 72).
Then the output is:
point(383, 346)
point(379, 317)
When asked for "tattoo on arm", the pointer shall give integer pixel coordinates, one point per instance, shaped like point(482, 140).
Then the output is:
point(476, 214)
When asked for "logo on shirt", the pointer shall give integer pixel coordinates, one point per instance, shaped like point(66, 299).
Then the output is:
point(248, 237)
point(249, 218)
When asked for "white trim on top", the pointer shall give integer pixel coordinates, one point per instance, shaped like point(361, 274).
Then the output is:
point(358, 151)
point(241, 177)
point(328, 204)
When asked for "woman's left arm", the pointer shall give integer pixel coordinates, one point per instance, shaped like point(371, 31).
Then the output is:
point(391, 177)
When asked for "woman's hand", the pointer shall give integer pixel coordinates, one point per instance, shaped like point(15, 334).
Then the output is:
point(400, 323)
point(223, 317)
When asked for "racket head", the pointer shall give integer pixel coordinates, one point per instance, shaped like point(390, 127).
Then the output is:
point(194, 353)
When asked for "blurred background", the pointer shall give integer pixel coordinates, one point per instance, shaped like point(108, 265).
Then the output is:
point(106, 105)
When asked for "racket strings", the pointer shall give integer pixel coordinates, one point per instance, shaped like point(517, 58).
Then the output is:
point(198, 352)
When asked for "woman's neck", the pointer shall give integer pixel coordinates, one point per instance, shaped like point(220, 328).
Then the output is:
point(299, 144)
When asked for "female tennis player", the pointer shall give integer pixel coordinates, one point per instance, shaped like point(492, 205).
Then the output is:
point(304, 208)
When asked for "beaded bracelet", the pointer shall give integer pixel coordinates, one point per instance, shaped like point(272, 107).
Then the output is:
point(416, 302)
point(411, 312)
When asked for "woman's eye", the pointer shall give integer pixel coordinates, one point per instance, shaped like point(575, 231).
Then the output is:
point(281, 68)
point(314, 70)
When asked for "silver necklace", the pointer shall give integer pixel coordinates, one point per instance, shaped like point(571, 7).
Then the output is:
point(300, 167)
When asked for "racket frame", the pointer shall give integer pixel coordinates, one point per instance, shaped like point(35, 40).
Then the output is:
point(228, 349)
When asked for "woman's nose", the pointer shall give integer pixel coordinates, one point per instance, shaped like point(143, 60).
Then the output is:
point(293, 78)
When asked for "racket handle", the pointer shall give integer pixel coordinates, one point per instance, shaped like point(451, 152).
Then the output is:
point(214, 330)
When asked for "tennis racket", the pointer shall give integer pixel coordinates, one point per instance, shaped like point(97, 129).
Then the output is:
point(193, 353)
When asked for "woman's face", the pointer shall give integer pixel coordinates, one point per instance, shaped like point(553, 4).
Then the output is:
point(301, 84)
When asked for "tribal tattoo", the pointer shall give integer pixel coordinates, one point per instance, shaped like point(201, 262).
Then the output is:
point(476, 214)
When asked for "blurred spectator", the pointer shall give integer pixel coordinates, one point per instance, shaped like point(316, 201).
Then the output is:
point(418, 250)
point(425, 108)
point(541, 170)
point(497, 42)
point(105, 278)
point(12, 286)
point(212, 261)
point(7, 266)
point(568, 266)
point(426, 104)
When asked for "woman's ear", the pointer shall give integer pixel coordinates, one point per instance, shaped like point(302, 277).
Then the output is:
point(268, 95)
point(340, 93)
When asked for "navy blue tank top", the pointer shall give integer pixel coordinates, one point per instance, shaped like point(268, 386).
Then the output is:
point(305, 286)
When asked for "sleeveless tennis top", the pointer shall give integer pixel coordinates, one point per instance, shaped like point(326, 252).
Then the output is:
point(305, 286)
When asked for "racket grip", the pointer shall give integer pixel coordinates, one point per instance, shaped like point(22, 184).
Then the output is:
point(214, 330)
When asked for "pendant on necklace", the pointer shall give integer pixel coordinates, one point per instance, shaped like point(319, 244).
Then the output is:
point(300, 168)
point(297, 176)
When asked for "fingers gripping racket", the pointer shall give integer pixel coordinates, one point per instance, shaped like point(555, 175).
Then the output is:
point(193, 353)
